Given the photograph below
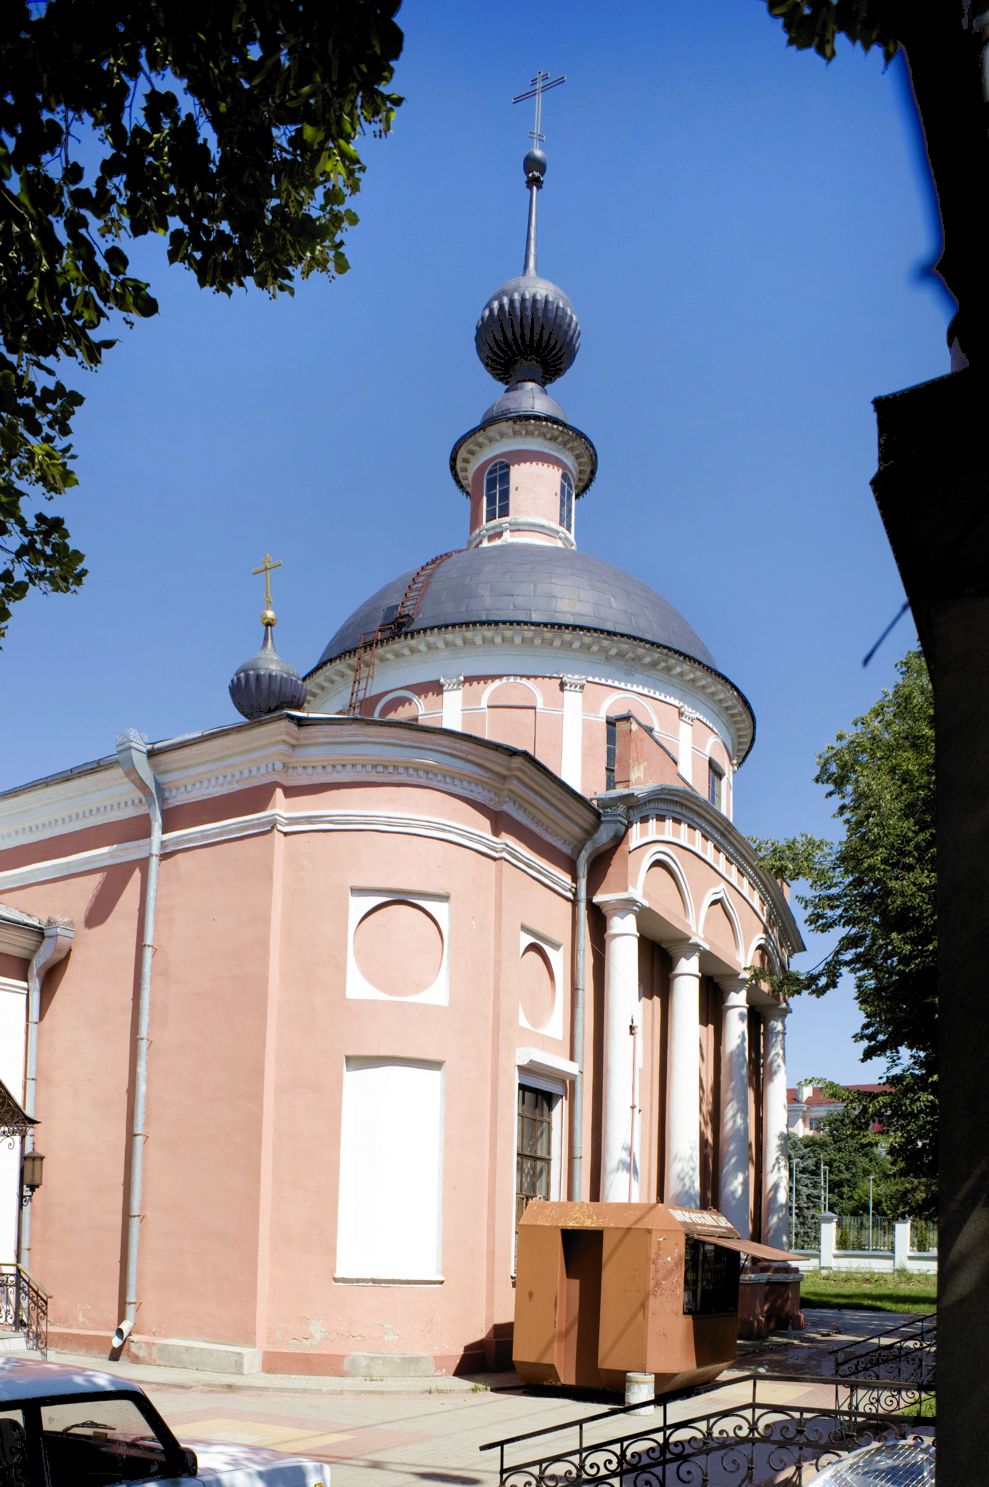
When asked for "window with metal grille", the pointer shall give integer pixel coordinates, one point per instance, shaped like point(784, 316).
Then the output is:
point(534, 1152)
point(566, 502)
point(715, 785)
point(610, 748)
point(496, 490)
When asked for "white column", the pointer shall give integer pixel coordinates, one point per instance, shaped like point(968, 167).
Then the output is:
point(775, 1166)
point(733, 1177)
point(685, 753)
point(453, 702)
point(683, 1077)
point(573, 733)
point(619, 1134)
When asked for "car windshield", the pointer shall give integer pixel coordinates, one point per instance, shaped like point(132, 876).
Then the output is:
point(102, 1439)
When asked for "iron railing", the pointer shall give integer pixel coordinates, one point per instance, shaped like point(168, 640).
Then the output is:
point(759, 1440)
point(24, 1306)
point(907, 1352)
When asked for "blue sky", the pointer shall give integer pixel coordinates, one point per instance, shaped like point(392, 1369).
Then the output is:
point(745, 234)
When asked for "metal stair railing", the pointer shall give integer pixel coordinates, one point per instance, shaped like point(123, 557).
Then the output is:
point(759, 1440)
point(907, 1352)
point(24, 1306)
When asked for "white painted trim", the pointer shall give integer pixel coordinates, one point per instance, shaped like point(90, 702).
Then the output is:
point(719, 895)
point(667, 859)
point(762, 942)
point(733, 873)
point(8, 983)
point(537, 1061)
point(572, 752)
point(499, 528)
point(453, 702)
point(605, 710)
point(502, 681)
point(364, 901)
point(400, 692)
point(98, 859)
point(553, 1026)
point(542, 650)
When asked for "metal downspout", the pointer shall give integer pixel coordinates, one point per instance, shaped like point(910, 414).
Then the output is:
point(132, 756)
point(612, 828)
point(54, 947)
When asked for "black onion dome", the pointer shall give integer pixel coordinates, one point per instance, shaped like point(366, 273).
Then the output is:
point(528, 583)
point(528, 331)
point(266, 684)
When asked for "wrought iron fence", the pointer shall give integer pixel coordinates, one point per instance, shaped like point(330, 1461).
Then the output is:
point(760, 1440)
point(24, 1306)
point(859, 1232)
point(907, 1352)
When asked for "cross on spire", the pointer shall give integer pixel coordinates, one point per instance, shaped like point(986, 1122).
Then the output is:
point(539, 85)
point(268, 563)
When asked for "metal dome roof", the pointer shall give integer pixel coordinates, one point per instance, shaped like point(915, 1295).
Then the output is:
point(266, 684)
point(528, 583)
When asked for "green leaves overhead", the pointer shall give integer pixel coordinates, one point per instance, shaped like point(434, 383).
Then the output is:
point(816, 24)
point(229, 128)
point(875, 889)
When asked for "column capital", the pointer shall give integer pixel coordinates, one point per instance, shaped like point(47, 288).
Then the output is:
point(571, 683)
point(735, 991)
point(689, 948)
point(776, 1013)
point(451, 683)
point(688, 714)
point(612, 904)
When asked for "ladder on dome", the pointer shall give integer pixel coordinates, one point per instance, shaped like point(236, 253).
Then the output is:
point(403, 617)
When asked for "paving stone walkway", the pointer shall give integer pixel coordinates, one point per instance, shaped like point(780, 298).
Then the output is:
point(430, 1430)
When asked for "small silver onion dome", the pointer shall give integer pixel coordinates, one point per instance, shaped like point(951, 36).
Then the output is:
point(528, 332)
point(266, 684)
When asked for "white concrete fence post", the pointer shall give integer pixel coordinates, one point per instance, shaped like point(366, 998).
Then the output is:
point(901, 1244)
point(829, 1239)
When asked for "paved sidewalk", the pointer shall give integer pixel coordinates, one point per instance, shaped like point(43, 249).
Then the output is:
point(430, 1430)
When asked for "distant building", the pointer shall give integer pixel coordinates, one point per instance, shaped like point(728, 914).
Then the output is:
point(807, 1106)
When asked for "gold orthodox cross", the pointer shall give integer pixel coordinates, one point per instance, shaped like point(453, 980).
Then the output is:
point(268, 563)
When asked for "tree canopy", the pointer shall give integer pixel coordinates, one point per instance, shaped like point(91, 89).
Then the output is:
point(875, 890)
point(850, 1150)
point(228, 127)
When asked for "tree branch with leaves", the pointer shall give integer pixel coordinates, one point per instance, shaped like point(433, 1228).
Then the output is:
point(229, 128)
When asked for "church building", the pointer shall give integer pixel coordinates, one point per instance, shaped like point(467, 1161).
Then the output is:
point(307, 1008)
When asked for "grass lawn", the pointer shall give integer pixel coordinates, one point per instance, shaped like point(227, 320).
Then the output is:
point(869, 1290)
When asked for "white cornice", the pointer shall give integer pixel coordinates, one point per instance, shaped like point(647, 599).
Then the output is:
point(542, 650)
point(20, 933)
point(295, 749)
point(505, 435)
point(236, 828)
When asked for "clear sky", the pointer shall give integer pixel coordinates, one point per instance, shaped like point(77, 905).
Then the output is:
point(745, 234)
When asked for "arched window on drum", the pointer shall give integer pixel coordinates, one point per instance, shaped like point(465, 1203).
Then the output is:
point(566, 502)
point(496, 490)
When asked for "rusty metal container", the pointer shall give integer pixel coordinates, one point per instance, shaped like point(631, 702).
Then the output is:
point(606, 1289)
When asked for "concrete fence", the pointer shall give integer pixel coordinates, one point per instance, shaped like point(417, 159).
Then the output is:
point(901, 1257)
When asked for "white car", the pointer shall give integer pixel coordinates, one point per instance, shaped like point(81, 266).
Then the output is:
point(888, 1464)
point(75, 1427)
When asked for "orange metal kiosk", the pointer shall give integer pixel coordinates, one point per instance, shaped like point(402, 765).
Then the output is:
point(606, 1289)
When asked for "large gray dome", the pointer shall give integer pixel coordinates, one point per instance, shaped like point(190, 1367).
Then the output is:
point(528, 583)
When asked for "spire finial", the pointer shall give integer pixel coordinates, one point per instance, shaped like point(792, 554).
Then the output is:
point(534, 163)
point(268, 618)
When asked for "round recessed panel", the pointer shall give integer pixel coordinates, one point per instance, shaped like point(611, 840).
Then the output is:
point(398, 948)
point(537, 988)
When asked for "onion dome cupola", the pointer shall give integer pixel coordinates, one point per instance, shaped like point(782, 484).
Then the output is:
point(524, 465)
point(266, 684)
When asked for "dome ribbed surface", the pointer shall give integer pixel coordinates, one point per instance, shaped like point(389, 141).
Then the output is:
point(527, 331)
point(266, 684)
point(528, 583)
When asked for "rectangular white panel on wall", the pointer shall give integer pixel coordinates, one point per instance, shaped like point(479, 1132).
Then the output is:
point(390, 1221)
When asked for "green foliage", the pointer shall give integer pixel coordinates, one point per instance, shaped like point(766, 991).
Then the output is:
point(229, 128)
point(875, 889)
point(852, 1152)
point(816, 24)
